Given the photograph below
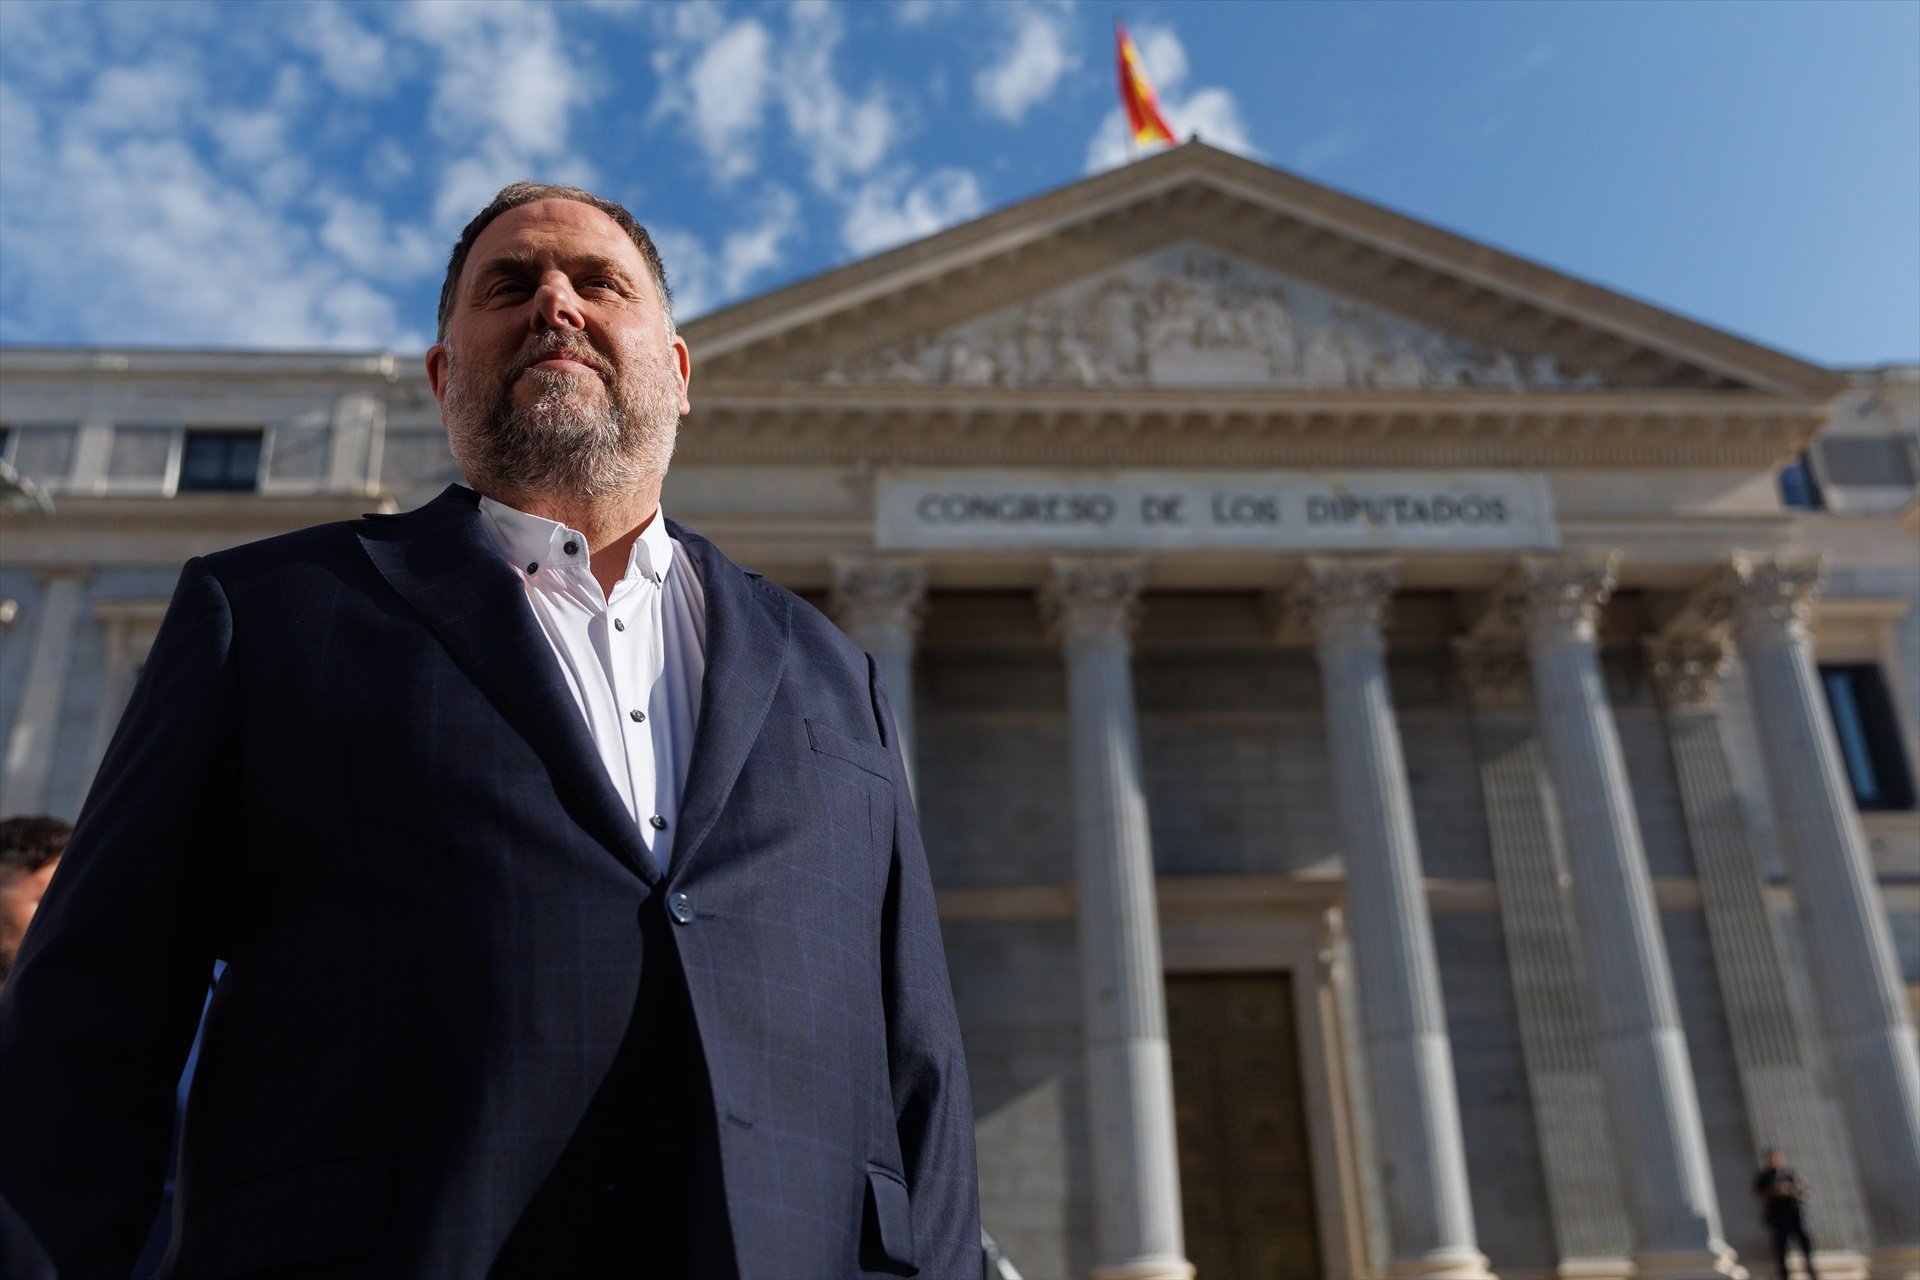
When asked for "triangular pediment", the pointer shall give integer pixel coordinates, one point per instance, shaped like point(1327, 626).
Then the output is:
point(1193, 316)
point(1197, 269)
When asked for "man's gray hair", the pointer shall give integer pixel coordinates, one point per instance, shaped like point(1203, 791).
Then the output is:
point(519, 193)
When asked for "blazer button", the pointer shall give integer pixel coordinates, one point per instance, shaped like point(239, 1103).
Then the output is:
point(680, 907)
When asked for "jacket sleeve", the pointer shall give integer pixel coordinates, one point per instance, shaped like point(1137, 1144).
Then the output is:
point(933, 1104)
point(97, 1017)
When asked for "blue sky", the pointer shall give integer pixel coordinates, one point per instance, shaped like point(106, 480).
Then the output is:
point(291, 174)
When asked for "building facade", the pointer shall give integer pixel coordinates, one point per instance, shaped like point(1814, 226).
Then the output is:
point(1416, 750)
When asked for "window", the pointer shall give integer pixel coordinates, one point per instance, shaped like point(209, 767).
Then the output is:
point(220, 462)
point(1869, 737)
point(1798, 488)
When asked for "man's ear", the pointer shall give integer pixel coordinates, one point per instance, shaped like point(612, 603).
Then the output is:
point(683, 364)
point(437, 371)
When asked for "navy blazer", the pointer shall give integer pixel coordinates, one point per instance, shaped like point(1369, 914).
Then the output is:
point(353, 771)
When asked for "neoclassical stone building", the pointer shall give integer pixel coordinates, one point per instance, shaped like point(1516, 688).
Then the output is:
point(1416, 749)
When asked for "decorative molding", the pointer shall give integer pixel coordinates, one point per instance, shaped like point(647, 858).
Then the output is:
point(1772, 597)
point(1189, 314)
point(1344, 600)
point(1092, 598)
point(945, 425)
point(878, 595)
point(1495, 671)
point(1556, 600)
point(1686, 667)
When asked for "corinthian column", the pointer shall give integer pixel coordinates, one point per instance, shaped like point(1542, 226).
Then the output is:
point(1649, 1089)
point(1091, 605)
point(879, 604)
point(1556, 1027)
point(1870, 1035)
point(1416, 1107)
point(1784, 1106)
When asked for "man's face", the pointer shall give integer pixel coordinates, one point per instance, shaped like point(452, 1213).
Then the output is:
point(19, 898)
point(557, 374)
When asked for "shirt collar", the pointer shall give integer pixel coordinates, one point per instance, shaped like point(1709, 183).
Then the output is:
point(535, 540)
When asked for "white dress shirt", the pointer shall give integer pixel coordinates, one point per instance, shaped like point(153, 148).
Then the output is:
point(634, 659)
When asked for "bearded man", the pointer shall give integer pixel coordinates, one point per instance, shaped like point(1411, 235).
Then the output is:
point(574, 916)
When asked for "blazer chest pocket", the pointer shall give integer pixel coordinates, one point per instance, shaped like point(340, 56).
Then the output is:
point(852, 779)
point(831, 742)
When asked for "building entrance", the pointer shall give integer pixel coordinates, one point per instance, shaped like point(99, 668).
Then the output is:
point(1246, 1180)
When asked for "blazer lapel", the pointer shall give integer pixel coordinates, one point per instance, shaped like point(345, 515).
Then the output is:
point(746, 650)
point(442, 562)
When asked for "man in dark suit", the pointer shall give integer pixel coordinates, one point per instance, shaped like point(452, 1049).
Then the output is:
point(574, 914)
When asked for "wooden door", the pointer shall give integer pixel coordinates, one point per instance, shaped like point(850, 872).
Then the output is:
point(1246, 1178)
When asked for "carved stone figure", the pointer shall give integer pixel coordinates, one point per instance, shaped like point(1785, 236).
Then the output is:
point(1186, 313)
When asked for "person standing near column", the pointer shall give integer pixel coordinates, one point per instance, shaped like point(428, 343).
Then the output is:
point(1781, 1195)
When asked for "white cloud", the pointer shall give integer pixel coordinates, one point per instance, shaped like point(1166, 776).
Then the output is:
point(749, 253)
point(358, 234)
point(353, 58)
point(146, 99)
point(1032, 60)
point(891, 210)
point(721, 79)
point(504, 93)
point(728, 96)
point(503, 74)
point(250, 137)
point(1323, 149)
point(1213, 116)
point(387, 162)
point(844, 135)
point(703, 279)
point(181, 193)
point(918, 13)
point(175, 251)
point(1210, 113)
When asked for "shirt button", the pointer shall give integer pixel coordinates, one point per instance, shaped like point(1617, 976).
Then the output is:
point(533, 566)
point(572, 548)
point(637, 715)
point(680, 907)
point(619, 625)
point(657, 822)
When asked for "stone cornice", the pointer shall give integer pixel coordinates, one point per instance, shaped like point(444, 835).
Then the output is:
point(95, 363)
point(804, 423)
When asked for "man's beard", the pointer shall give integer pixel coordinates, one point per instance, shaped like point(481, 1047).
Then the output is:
point(563, 443)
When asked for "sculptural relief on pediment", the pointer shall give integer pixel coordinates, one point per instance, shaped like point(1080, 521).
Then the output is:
point(1189, 315)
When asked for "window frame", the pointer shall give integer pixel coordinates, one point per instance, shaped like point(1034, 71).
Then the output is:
point(1806, 463)
point(1866, 730)
point(190, 434)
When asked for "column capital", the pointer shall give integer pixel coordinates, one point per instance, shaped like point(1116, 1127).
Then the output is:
point(873, 593)
point(1494, 669)
point(1092, 597)
point(1557, 599)
point(1771, 597)
point(1686, 666)
point(1344, 600)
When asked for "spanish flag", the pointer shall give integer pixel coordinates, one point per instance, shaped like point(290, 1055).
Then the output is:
point(1143, 109)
